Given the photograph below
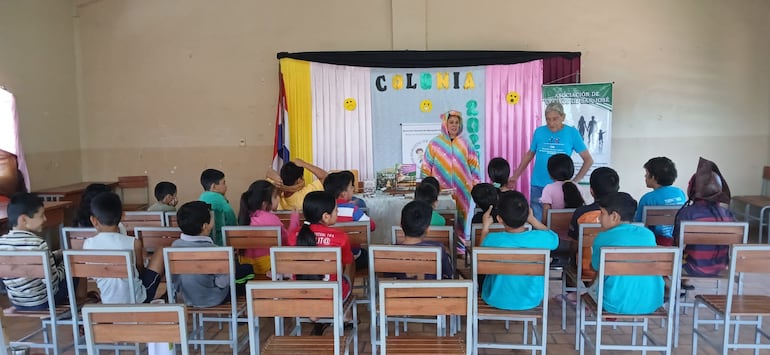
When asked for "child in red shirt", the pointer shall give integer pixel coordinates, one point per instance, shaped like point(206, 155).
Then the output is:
point(320, 210)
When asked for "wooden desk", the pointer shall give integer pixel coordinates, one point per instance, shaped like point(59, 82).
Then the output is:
point(72, 192)
point(54, 214)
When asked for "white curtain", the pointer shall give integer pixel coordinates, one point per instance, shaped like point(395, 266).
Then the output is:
point(342, 138)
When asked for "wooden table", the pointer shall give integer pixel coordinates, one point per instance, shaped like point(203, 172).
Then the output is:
point(72, 192)
point(54, 214)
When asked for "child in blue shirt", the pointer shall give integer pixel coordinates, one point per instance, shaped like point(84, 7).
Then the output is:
point(215, 186)
point(625, 294)
point(659, 174)
point(507, 291)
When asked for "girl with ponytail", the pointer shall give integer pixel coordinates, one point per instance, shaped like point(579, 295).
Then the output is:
point(257, 206)
point(320, 210)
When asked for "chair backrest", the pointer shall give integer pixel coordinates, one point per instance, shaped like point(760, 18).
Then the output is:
point(198, 261)
point(426, 298)
point(135, 323)
point(154, 238)
point(170, 219)
point(133, 219)
point(85, 264)
point(293, 299)
point(134, 182)
point(442, 234)
point(286, 261)
point(29, 264)
point(285, 217)
point(747, 259)
point(766, 181)
point(476, 229)
point(411, 260)
point(659, 215)
point(586, 236)
point(73, 238)
point(450, 216)
point(640, 261)
point(558, 220)
point(358, 232)
point(713, 233)
point(251, 237)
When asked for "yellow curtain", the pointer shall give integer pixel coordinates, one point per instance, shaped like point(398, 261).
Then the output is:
point(296, 78)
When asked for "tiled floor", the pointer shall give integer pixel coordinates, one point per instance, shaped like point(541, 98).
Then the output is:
point(559, 341)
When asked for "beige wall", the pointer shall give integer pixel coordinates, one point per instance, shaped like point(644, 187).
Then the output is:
point(37, 64)
point(171, 87)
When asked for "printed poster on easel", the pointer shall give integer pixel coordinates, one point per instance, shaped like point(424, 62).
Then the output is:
point(588, 108)
point(414, 139)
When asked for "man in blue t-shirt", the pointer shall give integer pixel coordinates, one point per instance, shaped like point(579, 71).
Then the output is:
point(625, 294)
point(660, 173)
point(553, 138)
point(508, 291)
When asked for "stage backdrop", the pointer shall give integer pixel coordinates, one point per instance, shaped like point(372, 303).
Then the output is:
point(350, 117)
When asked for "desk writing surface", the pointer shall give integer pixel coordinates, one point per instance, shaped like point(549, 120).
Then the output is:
point(73, 188)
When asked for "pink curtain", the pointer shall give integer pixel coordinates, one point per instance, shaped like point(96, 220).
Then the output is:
point(10, 140)
point(509, 126)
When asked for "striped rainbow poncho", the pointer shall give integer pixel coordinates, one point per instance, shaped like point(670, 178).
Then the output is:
point(455, 165)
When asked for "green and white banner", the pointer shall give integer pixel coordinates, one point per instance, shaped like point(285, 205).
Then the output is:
point(589, 109)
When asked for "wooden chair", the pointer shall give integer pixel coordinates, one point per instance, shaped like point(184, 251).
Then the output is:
point(558, 220)
point(155, 238)
point(137, 323)
point(359, 233)
point(515, 262)
point(580, 275)
point(133, 219)
point(90, 264)
point(170, 219)
point(621, 262)
point(660, 216)
point(707, 233)
point(251, 237)
point(295, 261)
point(426, 298)
point(73, 238)
point(745, 207)
point(296, 299)
point(450, 216)
point(442, 234)
point(410, 260)
point(134, 182)
point(35, 265)
point(196, 261)
point(732, 309)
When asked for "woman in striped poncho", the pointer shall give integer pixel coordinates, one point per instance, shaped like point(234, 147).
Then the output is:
point(450, 158)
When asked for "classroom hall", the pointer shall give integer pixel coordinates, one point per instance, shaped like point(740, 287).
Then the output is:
point(108, 88)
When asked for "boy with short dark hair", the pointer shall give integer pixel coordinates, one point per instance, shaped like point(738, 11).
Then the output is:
point(508, 291)
point(484, 195)
point(340, 185)
point(106, 211)
point(204, 290)
point(660, 173)
point(165, 193)
point(26, 217)
point(415, 221)
point(603, 182)
point(293, 186)
point(625, 294)
point(215, 186)
point(427, 193)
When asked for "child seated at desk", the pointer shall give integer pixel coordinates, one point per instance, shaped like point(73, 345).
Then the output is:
point(427, 193)
point(215, 188)
point(340, 185)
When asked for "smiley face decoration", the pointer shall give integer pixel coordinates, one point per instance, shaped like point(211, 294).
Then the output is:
point(512, 98)
point(349, 104)
point(426, 106)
